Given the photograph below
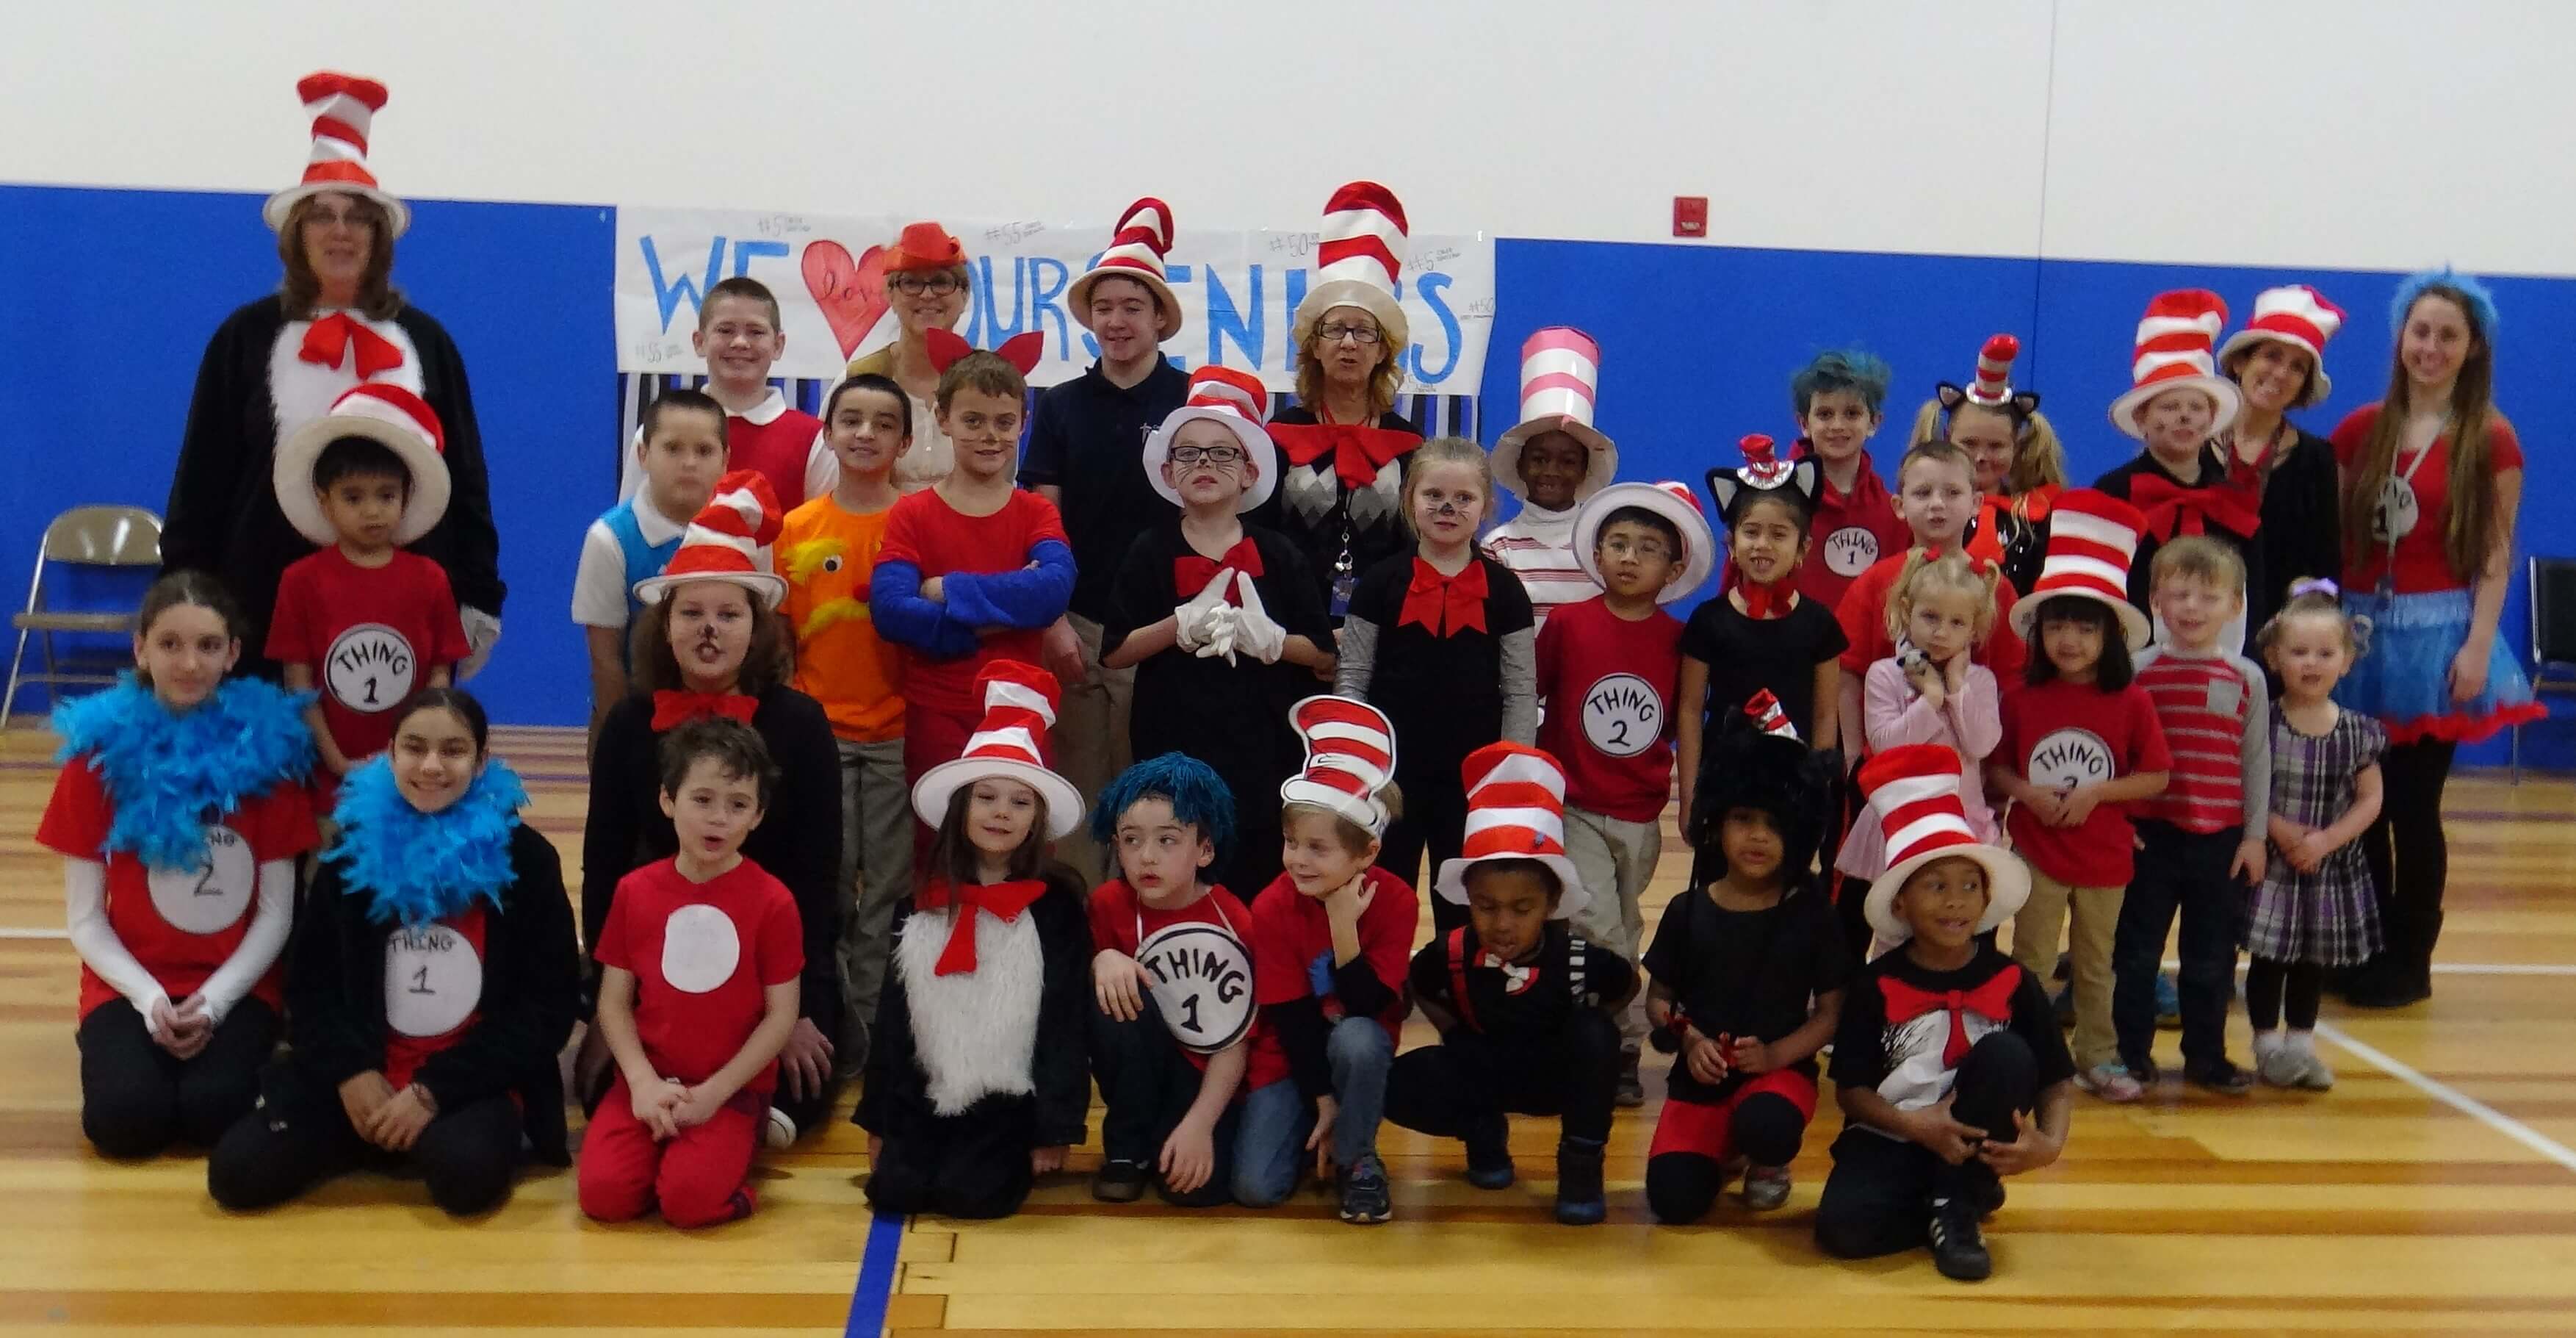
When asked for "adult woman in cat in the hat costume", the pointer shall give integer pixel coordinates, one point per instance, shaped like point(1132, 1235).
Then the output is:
point(282, 360)
point(2278, 362)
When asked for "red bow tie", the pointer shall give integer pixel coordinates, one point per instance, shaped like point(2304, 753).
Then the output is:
point(1991, 1001)
point(1191, 573)
point(2170, 507)
point(335, 336)
point(1445, 605)
point(1763, 602)
point(1002, 901)
point(1358, 452)
point(674, 709)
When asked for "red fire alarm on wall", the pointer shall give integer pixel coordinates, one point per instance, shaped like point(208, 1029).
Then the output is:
point(1690, 215)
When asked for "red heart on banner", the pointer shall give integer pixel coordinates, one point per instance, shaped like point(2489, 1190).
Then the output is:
point(850, 292)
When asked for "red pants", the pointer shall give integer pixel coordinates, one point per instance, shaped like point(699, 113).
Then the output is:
point(931, 737)
point(1706, 1127)
point(700, 1178)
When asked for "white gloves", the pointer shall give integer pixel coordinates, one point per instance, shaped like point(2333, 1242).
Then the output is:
point(1254, 633)
point(481, 631)
point(1194, 624)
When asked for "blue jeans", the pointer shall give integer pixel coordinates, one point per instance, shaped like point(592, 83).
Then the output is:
point(2185, 872)
point(1270, 1145)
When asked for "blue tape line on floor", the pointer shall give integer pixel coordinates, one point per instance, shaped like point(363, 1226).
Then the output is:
point(876, 1277)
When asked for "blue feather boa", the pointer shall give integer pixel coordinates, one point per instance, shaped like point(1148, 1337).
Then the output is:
point(171, 773)
point(421, 867)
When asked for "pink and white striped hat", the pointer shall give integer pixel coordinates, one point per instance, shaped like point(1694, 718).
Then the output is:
point(1358, 254)
point(1235, 399)
point(1515, 810)
point(1136, 251)
point(1914, 792)
point(1350, 756)
point(1560, 381)
point(2298, 316)
point(2092, 539)
point(2173, 353)
point(343, 107)
point(1010, 743)
point(725, 542)
point(388, 415)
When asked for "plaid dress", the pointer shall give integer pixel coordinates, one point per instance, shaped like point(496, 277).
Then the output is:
point(2329, 917)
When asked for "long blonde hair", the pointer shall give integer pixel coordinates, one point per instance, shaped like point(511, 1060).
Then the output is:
point(2469, 529)
point(1925, 574)
point(2039, 459)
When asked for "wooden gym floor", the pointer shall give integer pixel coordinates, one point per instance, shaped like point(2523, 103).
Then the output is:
point(2432, 1190)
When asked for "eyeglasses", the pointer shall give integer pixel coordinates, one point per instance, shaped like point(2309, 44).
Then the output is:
point(937, 285)
point(1334, 334)
point(1215, 455)
point(1641, 549)
point(355, 216)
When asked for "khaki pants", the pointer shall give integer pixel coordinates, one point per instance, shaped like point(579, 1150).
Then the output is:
point(1091, 744)
point(2034, 945)
point(876, 872)
point(1615, 858)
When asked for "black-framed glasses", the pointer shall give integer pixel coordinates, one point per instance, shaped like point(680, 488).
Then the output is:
point(940, 284)
point(1334, 334)
point(1215, 455)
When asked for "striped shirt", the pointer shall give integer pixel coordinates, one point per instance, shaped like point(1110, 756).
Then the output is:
point(1538, 546)
point(2217, 721)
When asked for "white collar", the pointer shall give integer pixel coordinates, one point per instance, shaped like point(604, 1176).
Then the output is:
point(657, 529)
point(766, 412)
point(1538, 521)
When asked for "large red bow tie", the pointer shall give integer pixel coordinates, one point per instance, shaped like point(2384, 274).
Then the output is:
point(1768, 601)
point(1445, 605)
point(674, 709)
point(1358, 452)
point(334, 337)
point(2170, 508)
point(1991, 1001)
point(1191, 573)
point(1002, 901)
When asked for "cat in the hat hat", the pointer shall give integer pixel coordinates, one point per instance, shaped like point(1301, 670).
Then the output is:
point(977, 1080)
point(1553, 459)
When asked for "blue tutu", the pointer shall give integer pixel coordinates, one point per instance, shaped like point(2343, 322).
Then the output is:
point(2404, 680)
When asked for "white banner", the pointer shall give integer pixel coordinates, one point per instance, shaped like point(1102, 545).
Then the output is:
point(1236, 290)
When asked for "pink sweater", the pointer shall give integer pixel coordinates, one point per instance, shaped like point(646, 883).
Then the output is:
point(1971, 722)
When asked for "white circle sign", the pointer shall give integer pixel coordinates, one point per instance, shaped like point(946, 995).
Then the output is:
point(2068, 758)
point(369, 668)
point(2397, 513)
point(1623, 715)
point(1851, 550)
point(1201, 979)
point(700, 948)
point(212, 895)
point(433, 980)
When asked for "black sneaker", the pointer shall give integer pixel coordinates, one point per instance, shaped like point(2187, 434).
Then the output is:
point(2220, 1076)
point(1580, 1200)
point(1632, 1089)
point(1489, 1154)
point(1958, 1247)
point(1988, 1198)
point(1364, 1193)
point(1119, 1182)
point(2143, 1068)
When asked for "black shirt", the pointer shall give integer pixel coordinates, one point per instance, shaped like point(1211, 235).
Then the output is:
point(1087, 437)
point(1443, 693)
point(1376, 524)
point(1871, 1052)
point(1746, 973)
point(1745, 655)
point(2249, 548)
point(2302, 524)
point(1529, 1003)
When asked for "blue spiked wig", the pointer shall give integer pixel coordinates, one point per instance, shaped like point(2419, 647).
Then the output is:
point(1198, 797)
point(2480, 301)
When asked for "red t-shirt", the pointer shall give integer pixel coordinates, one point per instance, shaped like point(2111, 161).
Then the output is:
point(702, 955)
point(923, 529)
point(1851, 532)
point(1292, 959)
point(2060, 735)
point(370, 634)
point(181, 924)
point(433, 989)
point(778, 448)
point(2422, 565)
point(1608, 686)
point(1863, 614)
point(1199, 956)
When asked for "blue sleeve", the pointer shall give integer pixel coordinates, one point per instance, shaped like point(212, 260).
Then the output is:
point(1025, 597)
point(903, 617)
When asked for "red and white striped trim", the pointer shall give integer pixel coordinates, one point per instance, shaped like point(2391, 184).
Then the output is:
point(2177, 336)
point(1143, 238)
point(1916, 797)
point(1993, 386)
point(1227, 390)
point(394, 407)
point(1363, 238)
point(2298, 314)
point(1350, 756)
point(1767, 715)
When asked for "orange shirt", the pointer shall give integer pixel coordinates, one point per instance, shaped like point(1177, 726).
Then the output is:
point(827, 555)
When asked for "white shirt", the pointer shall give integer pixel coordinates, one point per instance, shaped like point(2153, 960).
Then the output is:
point(1538, 546)
point(599, 584)
point(822, 468)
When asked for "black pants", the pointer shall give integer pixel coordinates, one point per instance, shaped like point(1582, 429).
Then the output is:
point(1765, 1129)
point(1434, 821)
point(1446, 1090)
point(971, 1164)
point(299, 1137)
point(2186, 872)
point(2267, 982)
point(137, 1098)
point(1147, 1084)
point(2409, 858)
point(1880, 1196)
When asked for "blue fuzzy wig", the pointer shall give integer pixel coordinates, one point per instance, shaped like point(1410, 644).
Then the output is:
point(2482, 307)
point(1856, 370)
point(1198, 797)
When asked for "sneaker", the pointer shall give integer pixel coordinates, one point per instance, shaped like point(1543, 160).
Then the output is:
point(2313, 1074)
point(1989, 1197)
point(1766, 1188)
point(2111, 1082)
point(2143, 1068)
point(779, 1134)
point(1632, 1089)
point(1489, 1154)
point(1119, 1181)
point(2168, 1002)
point(2276, 1061)
point(2220, 1076)
point(1958, 1246)
point(1580, 1200)
point(1364, 1192)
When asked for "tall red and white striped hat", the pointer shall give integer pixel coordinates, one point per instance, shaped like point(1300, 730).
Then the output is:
point(1010, 743)
point(1914, 792)
point(1350, 756)
point(1358, 254)
point(1515, 810)
point(2092, 539)
point(2298, 316)
point(2174, 341)
point(1669, 499)
point(1235, 399)
point(1768, 717)
point(343, 107)
point(726, 541)
point(1993, 386)
point(1136, 251)
point(1560, 380)
point(388, 415)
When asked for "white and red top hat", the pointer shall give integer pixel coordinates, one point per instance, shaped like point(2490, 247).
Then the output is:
point(2174, 345)
point(1993, 386)
point(343, 106)
point(388, 415)
point(1350, 756)
point(1136, 251)
point(2298, 316)
point(2092, 539)
point(1672, 501)
point(1515, 810)
point(1358, 254)
point(1763, 472)
point(1560, 380)
point(1235, 399)
point(1768, 717)
point(1020, 702)
point(1914, 791)
point(725, 541)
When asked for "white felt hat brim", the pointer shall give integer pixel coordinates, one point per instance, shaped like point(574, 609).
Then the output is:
point(938, 787)
point(2007, 887)
point(1696, 534)
point(768, 587)
point(1451, 883)
point(291, 476)
point(1254, 438)
point(1166, 325)
point(2230, 400)
point(1598, 470)
point(2134, 625)
point(1367, 297)
point(2319, 384)
point(397, 214)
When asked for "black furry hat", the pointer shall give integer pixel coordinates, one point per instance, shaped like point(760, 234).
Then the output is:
point(1759, 762)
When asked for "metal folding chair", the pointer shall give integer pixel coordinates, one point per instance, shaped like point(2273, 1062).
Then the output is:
point(2553, 635)
point(91, 536)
